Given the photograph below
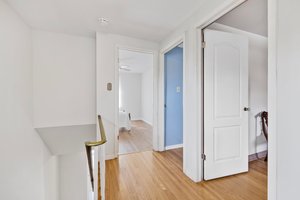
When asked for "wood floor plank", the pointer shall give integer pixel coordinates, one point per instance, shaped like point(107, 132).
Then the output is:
point(138, 139)
point(158, 176)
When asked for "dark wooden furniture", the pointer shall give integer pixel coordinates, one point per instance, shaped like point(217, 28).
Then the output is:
point(264, 120)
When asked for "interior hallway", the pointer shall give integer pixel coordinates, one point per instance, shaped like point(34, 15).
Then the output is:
point(138, 139)
point(158, 176)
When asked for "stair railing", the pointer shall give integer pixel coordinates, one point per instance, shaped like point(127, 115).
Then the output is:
point(89, 147)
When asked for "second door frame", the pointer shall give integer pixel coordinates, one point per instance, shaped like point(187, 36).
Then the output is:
point(272, 78)
point(161, 115)
point(155, 92)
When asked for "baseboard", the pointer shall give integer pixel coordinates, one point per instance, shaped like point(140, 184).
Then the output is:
point(176, 146)
point(257, 156)
point(147, 122)
point(110, 157)
point(136, 119)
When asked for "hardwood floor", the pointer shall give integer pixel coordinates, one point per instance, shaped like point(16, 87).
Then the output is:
point(137, 140)
point(158, 176)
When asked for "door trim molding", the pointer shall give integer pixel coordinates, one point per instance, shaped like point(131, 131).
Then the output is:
point(155, 94)
point(272, 86)
point(161, 83)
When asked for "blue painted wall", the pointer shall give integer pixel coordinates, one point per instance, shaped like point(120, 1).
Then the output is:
point(173, 97)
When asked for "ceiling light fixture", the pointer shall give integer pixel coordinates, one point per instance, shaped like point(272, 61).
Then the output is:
point(103, 21)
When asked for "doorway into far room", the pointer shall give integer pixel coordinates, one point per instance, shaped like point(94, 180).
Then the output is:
point(235, 94)
point(135, 101)
point(173, 98)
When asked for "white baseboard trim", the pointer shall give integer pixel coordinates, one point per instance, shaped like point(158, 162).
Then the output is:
point(110, 157)
point(136, 119)
point(176, 146)
point(142, 119)
point(147, 122)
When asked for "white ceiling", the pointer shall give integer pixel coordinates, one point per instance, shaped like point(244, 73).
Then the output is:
point(146, 19)
point(137, 62)
point(251, 16)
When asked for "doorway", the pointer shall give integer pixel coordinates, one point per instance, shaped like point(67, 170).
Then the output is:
point(235, 55)
point(173, 98)
point(135, 101)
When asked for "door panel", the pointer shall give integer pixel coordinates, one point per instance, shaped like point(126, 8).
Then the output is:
point(227, 81)
point(225, 96)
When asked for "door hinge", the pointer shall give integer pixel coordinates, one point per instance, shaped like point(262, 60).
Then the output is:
point(203, 44)
point(203, 156)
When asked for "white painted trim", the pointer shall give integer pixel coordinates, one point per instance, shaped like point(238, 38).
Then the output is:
point(237, 31)
point(146, 122)
point(172, 45)
point(116, 143)
point(137, 119)
point(216, 14)
point(176, 146)
point(110, 157)
point(272, 98)
point(161, 116)
point(155, 94)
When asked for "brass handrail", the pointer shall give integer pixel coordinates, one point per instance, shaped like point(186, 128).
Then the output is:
point(90, 145)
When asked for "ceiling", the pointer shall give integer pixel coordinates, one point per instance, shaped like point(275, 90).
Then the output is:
point(135, 61)
point(251, 16)
point(146, 19)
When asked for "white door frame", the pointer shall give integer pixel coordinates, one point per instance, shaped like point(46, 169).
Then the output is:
point(272, 86)
point(155, 94)
point(161, 101)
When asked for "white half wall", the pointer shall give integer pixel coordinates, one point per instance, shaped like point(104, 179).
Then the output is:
point(64, 79)
point(130, 95)
point(73, 173)
point(51, 176)
point(258, 84)
point(147, 96)
point(22, 152)
point(107, 101)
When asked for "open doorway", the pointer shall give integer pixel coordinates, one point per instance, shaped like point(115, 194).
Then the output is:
point(135, 101)
point(235, 65)
point(173, 98)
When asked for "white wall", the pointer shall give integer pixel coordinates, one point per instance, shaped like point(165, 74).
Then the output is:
point(130, 94)
point(64, 79)
point(106, 67)
point(258, 84)
point(73, 173)
point(286, 35)
point(147, 96)
point(136, 95)
point(51, 176)
point(21, 150)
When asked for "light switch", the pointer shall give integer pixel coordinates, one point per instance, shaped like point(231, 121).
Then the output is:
point(178, 89)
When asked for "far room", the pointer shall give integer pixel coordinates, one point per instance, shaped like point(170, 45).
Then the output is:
point(135, 101)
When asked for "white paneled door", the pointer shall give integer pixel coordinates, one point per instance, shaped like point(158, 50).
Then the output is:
point(225, 104)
